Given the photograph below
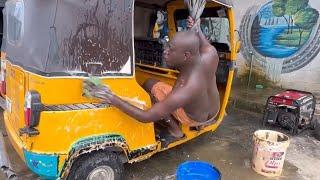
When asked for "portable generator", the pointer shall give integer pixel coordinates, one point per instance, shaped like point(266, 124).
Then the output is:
point(291, 109)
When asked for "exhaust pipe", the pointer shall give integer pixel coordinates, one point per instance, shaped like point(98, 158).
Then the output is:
point(5, 165)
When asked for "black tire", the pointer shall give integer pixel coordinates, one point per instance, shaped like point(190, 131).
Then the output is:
point(317, 129)
point(313, 123)
point(264, 119)
point(93, 163)
point(287, 120)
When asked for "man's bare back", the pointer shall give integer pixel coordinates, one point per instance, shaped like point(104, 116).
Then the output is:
point(208, 102)
point(205, 102)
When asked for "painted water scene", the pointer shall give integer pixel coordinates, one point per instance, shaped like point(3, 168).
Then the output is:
point(282, 27)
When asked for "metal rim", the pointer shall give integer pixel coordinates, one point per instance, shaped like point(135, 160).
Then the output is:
point(101, 173)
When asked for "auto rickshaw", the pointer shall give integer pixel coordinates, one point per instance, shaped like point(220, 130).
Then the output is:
point(53, 46)
point(2, 54)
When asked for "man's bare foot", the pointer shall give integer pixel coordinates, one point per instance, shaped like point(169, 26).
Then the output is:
point(176, 133)
point(174, 128)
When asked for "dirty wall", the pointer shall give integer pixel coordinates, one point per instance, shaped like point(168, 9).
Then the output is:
point(282, 38)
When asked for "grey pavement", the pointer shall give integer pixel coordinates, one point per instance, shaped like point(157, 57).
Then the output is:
point(229, 149)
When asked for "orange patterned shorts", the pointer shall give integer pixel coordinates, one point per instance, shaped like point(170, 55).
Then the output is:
point(160, 91)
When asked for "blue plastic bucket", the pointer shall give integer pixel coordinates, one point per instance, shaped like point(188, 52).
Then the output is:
point(197, 170)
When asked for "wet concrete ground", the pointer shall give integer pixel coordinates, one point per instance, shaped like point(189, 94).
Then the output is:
point(229, 149)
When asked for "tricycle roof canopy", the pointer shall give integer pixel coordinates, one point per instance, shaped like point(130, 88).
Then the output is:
point(227, 3)
point(70, 37)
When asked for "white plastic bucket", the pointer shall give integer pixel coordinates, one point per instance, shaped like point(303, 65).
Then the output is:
point(269, 152)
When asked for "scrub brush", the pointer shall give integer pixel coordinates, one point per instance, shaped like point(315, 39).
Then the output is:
point(94, 88)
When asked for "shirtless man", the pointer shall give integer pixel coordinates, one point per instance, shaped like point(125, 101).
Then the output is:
point(194, 99)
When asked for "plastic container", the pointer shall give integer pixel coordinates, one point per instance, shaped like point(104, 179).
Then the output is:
point(269, 152)
point(197, 170)
point(259, 86)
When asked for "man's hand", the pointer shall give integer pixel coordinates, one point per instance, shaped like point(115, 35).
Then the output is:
point(104, 93)
point(190, 22)
point(99, 91)
point(205, 45)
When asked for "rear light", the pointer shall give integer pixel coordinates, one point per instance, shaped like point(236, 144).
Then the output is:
point(3, 78)
point(27, 110)
point(32, 111)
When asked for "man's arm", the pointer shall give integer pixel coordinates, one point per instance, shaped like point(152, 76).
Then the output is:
point(177, 99)
point(205, 45)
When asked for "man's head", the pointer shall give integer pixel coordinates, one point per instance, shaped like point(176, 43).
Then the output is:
point(182, 49)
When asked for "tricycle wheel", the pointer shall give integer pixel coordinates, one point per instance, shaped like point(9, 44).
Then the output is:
point(96, 166)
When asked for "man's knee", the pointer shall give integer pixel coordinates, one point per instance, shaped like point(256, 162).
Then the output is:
point(148, 84)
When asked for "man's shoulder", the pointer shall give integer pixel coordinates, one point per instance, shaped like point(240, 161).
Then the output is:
point(210, 55)
point(212, 51)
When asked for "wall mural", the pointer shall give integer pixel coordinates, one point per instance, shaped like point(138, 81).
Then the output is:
point(282, 35)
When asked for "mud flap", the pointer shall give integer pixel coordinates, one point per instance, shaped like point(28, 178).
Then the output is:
point(5, 164)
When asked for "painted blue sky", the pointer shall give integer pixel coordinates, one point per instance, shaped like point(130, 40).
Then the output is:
point(266, 14)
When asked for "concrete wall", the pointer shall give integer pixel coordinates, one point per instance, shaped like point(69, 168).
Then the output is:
point(275, 45)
